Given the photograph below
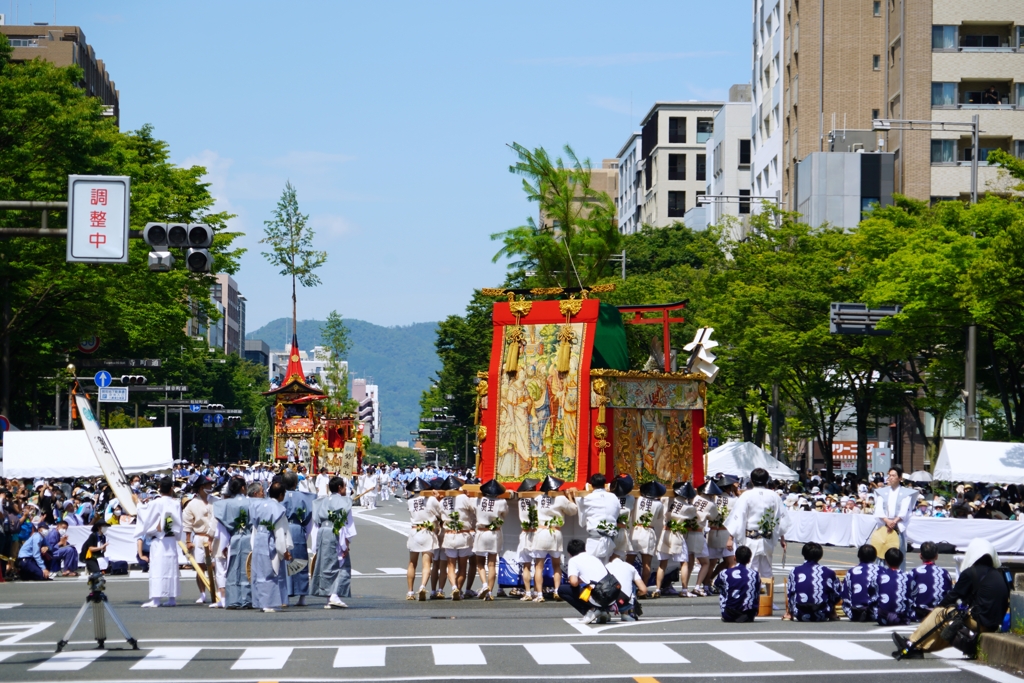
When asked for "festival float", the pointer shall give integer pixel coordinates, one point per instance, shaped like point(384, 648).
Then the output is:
point(559, 397)
point(303, 429)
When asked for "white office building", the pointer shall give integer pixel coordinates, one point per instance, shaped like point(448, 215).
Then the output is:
point(729, 156)
point(766, 98)
point(631, 186)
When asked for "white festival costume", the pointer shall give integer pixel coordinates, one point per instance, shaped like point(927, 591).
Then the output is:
point(163, 549)
point(598, 511)
point(425, 516)
point(525, 549)
point(488, 512)
point(623, 540)
point(458, 511)
point(552, 513)
point(746, 516)
point(673, 544)
point(647, 530)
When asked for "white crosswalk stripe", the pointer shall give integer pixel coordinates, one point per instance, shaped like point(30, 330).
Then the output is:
point(10, 605)
point(259, 658)
point(391, 570)
point(166, 659)
point(13, 633)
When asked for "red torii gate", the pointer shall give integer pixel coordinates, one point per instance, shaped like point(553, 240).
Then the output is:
point(665, 320)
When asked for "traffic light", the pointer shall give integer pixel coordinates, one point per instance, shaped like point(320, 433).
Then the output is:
point(177, 235)
point(133, 379)
point(160, 261)
point(200, 237)
point(155, 235)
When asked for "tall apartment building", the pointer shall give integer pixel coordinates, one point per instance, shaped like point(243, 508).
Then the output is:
point(673, 163)
point(225, 292)
point(766, 98)
point(64, 46)
point(846, 63)
point(729, 156)
point(368, 397)
point(630, 200)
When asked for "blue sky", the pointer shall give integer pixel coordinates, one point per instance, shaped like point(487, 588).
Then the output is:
point(391, 119)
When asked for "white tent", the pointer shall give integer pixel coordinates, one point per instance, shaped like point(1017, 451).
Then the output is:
point(68, 454)
point(992, 462)
point(740, 458)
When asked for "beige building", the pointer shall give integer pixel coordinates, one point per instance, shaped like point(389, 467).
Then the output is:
point(674, 160)
point(935, 60)
point(64, 46)
point(604, 179)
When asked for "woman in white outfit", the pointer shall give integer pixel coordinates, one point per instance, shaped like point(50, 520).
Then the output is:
point(552, 512)
point(648, 520)
point(425, 516)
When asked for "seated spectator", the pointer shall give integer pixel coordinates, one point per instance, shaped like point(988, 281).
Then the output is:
point(860, 588)
point(812, 590)
point(933, 582)
point(64, 556)
point(739, 589)
point(30, 556)
point(896, 591)
point(631, 585)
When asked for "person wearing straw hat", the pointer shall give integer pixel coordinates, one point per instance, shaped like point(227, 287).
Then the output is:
point(459, 521)
point(648, 520)
point(331, 576)
point(680, 520)
point(528, 522)
point(199, 530)
point(490, 516)
point(758, 521)
point(425, 517)
point(552, 511)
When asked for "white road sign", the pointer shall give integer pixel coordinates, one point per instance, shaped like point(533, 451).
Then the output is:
point(113, 395)
point(98, 219)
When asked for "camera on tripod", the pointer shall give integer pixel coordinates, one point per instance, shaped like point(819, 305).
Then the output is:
point(97, 598)
point(97, 583)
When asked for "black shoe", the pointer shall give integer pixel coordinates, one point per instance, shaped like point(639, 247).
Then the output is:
point(900, 641)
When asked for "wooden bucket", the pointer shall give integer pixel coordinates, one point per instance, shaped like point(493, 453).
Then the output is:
point(764, 606)
point(840, 612)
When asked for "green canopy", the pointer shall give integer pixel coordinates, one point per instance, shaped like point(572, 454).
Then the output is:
point(610, 352)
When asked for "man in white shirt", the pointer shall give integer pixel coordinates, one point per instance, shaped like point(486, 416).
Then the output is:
point(892, 507)
point(631, 585)
point(599, 514)
point(584, 570)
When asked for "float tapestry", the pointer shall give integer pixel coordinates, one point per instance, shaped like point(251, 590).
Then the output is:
point(538, 408)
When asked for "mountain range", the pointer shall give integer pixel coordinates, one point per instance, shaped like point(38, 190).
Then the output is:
point(400, 360)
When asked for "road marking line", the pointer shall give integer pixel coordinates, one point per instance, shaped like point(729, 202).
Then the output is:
point(70, 661)
point(949, 653)
point(845, 650)
point(748, 651)
point(355, 573)
point(555, 653)
point(30, 630)
point(10, 605)
point(262, 658)
point(7, 655)
point(354, 656)
point(458, 655)
point(645, 679)
point(167, 658)
point(391, 570)
point(989, 673)
point(653, 653)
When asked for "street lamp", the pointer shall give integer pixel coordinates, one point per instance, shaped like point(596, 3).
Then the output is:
point(971, 428)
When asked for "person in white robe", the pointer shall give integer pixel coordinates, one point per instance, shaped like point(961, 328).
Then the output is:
point(893, 504)
point(552, 512)
point(425, 518)
point(489, 542)
point(757, 521)
point(163, 527)
point(599, 515)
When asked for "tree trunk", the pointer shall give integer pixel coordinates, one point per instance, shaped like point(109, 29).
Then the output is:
point(862, 405)
point(295, 319)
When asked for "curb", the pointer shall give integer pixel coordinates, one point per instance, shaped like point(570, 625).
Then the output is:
point(1002, 649)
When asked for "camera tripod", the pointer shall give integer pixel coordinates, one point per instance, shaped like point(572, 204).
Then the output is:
point(100, 608)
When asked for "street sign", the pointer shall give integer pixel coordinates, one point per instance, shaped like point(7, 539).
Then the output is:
point(853, 318)
point(712, 442)
point(166, 388)
point(113, 395)
point(98, 219)
point(120, 362)
point(195, 407)
point(102, 379)
point(207, 419)
point(89, 345)
point(5, 424)
point(218, 419)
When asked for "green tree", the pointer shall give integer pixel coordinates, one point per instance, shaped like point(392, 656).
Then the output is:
point(376, 454)
point(335, 338)
point(291, 246)
point(578, 231)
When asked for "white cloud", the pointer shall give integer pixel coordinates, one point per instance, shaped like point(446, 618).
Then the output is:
point(626, 58)
point(332, 225)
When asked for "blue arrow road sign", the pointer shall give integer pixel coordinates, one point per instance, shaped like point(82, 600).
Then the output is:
point(195, 407)
point(218, 418)
point(207, 419)
point(102, 379)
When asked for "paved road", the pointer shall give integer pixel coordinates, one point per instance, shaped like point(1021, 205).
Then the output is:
point(383, 637)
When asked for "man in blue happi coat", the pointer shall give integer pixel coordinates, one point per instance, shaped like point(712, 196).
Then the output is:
point(860, 587)
point(739, 589)
point(933, 582)
point(895, 592)
point(812, 590)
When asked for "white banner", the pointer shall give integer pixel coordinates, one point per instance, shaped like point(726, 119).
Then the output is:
point(105, 456)
point(98, 219)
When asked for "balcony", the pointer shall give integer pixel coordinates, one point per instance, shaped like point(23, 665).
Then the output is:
point(977, 38)
point(977, 94)
point(959, 152)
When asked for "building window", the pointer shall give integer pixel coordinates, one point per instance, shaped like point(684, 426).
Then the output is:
point(943, 94)
point(677, 167)
point(874, 114)
point(943, 37)
point(1018, 149)
point(1020, 37)
point(677, 129)
point(676, 204)
point(876, 8)
point(1020, 94)
point(983, 153)
point(868, 204)
point(980, 41)
point(705, 127)
point(744, 152)
point(744, 204)
point(702, 167)
point(876, 62)
point(943, 151)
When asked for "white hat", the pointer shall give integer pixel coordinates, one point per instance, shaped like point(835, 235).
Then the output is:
point(977, 549)
point(815, 489)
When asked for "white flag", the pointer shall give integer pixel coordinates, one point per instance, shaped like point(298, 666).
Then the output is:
point(105, 456)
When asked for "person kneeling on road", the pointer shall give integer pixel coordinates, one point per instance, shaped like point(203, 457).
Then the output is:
point(584, 571)
point(739, 589)
point(631, 585)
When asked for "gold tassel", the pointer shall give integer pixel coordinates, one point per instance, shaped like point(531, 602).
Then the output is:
point(514, 337)
point(566, 339)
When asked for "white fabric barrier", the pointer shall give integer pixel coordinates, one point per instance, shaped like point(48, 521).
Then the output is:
point(854, 530)
point(120, 540)
point(62, 453)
